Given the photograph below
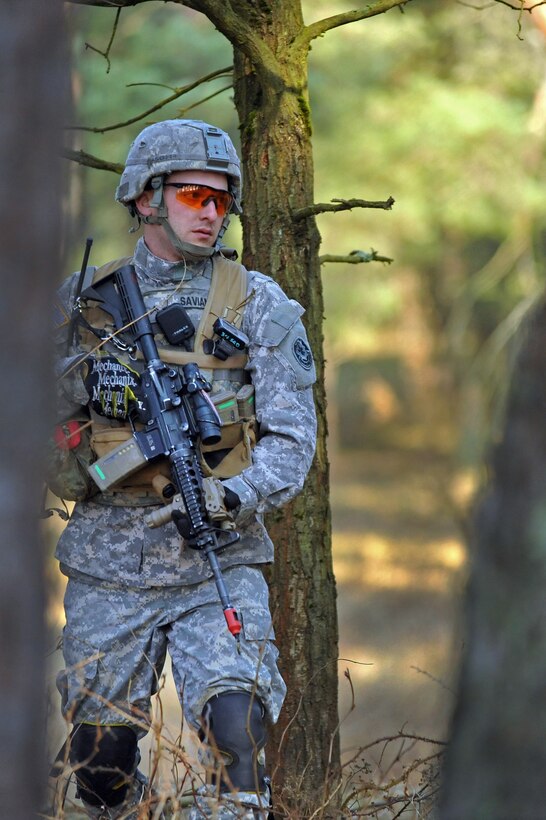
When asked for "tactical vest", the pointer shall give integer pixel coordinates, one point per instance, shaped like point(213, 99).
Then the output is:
point(227, 298)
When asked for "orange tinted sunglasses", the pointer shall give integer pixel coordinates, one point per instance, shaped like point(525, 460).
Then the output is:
point(198, 196)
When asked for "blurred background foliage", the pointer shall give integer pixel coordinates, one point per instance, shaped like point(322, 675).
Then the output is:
point(443, 108)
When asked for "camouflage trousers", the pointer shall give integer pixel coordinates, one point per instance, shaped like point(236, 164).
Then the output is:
point(116, 639)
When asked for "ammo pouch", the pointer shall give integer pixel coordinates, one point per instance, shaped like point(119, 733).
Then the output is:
point(135, 490)
point(228, 458)
point(67, 475)
point(233, 453)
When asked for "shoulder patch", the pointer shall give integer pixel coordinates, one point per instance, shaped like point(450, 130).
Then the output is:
point(297, 353)
point(302, 353)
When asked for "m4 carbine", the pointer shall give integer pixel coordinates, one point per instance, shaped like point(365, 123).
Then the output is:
point(175, 412)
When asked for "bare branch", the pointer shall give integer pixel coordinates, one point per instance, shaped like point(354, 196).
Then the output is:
point(106, 54)
point(515, 7)
point(113, 4)
point(320, 27)
point(436, 680)
point(82, 158)
point(401, 734)
point(342, 205)
point(229, 22)
point(521, 6)
point(183, 111)
point(356, 258)
point(178, 92)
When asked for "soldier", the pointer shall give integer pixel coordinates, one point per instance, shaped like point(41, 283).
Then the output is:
point(134, 593)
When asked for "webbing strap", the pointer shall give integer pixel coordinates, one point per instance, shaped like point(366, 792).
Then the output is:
point(173, 355)
point(225, 300)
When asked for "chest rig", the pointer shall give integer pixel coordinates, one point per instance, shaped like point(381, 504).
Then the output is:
point(227, 299)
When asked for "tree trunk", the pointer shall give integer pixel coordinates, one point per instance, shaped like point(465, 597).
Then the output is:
point(496, 763)
point(278, 179)
point(271, 97)
point(31, 94)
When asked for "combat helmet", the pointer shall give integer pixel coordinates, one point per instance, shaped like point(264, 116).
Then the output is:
point(177, 145)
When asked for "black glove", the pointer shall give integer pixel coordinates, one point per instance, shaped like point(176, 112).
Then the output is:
point(231, 499)
point(111, 385)
point(182, 522)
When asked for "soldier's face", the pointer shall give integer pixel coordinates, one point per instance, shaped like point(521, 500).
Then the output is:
point(197, 225)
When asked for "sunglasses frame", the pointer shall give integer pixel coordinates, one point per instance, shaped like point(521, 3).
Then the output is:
point(180, 186)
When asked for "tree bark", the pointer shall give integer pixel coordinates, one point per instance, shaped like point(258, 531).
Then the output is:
point(496, 762)
point(272, 103)
point(31, 96)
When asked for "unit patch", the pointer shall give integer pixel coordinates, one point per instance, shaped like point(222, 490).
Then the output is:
point(302, 353)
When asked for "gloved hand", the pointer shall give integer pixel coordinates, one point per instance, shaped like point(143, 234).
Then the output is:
point(230, 501)
point(111, 386)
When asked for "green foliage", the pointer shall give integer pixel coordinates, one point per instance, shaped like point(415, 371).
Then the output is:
point(433, 107)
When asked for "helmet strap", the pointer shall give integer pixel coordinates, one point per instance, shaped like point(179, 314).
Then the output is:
point(184, 248)
point(157, 200)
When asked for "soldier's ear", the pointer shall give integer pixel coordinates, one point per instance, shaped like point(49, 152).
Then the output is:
point(142, 203)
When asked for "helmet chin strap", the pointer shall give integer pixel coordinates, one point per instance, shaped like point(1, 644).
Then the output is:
point(183, 248)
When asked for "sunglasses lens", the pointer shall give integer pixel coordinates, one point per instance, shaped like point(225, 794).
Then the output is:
point(199, 196)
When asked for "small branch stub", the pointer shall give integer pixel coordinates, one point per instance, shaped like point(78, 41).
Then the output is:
point(356, 258)
point(340, 205)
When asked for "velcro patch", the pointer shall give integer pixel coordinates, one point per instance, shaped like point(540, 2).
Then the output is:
point(282, 318)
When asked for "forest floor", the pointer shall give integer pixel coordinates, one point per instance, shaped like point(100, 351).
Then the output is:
point(400, 565)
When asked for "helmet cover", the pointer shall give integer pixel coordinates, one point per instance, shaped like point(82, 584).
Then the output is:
point(179, 145)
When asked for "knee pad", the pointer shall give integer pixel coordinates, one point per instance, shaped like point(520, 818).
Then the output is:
point(234, 726)
point(104, 758)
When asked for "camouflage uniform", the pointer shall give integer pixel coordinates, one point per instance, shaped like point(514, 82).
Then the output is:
point(106, 541)
point(114, 657)
point(133, 591)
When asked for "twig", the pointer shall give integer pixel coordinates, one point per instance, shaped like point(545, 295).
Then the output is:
point(178, 92)
point(327, 798)
point(183, 111)
point(340, 205)
point(106, 53)
point(436, 680)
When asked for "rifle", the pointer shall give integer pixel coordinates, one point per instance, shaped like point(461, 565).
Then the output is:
point(175, 411)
